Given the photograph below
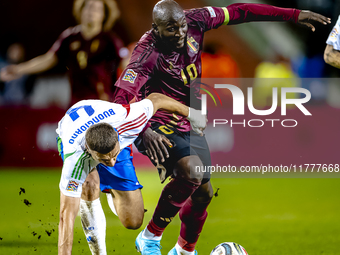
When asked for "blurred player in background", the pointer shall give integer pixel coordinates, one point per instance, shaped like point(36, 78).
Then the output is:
point(89, 51)
point(91, 136)
point(167, 60)
point(332, 51)
point(16, 92)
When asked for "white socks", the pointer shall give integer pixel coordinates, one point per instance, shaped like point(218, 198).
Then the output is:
point(148, 235)
point(180, 251)
point(94, 225)
point(110, 202)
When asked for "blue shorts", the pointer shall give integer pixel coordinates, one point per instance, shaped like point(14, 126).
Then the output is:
point(122, 176)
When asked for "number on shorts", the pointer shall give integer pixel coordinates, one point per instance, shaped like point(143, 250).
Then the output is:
point(165, 130)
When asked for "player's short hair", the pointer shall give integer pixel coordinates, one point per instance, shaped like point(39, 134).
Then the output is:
point(110, 8)
point(101, 138)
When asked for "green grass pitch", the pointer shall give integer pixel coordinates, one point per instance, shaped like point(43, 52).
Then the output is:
point(266, 216)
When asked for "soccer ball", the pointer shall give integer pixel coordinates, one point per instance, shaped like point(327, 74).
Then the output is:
point(228, 248)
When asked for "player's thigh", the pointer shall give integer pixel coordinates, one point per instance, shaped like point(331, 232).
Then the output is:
point(91, 188)
point(179, 150)
point(201, 147)
point(189, 168)
point(129, 206)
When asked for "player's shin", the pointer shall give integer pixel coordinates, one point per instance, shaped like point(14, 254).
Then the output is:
point(173, 197)
point(94, 225)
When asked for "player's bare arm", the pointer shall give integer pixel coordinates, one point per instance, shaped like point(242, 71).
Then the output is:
point(155, 142)
point(197, 120)
point(36, 65)
point(163, 102)
point(332, 56)
point(69, 207)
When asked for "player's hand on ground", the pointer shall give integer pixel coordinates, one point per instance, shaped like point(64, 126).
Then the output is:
point(198, 121)
point(155, 145)
point(9, 73)
point(305, 18)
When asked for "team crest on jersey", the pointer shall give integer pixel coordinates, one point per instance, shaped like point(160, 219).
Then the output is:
point(212, 12)
point(75, 45)
point(72, 186)
point(193, 45)
point(130, 76)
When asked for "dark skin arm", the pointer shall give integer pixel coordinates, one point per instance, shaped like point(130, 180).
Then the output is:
point(154, 142)
point(155, 145)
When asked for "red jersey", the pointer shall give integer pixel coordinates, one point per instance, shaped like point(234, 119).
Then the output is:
point(92, 64)
point(154, 68)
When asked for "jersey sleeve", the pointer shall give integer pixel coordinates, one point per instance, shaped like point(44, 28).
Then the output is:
point(60, 47)
point(241, 13)
point(334, 36)
point(141, 65)
point(137, 118)
point(121, 96)
point(208, 17)
point(77, 165)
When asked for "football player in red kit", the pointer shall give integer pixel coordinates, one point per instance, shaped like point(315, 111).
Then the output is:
point(167, 60)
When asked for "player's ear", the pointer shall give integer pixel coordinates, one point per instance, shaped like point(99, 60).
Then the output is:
point(155, 27)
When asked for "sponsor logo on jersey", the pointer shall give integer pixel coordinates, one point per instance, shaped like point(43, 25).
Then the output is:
point(130, 76)
point(75, 45)
point(212, 12)
point(72, 186)
point(193, 45)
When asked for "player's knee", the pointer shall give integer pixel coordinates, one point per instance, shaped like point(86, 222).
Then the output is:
point(208, 194)
point(204, 195)
point(132, 223)
point(187, 169)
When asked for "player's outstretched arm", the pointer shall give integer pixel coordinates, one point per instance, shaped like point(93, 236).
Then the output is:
point(154, 142)
point(241, 12)
point(332, 56)
point(69, 207)
point(36, 65)
point(197, 120)
point(168, 104)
